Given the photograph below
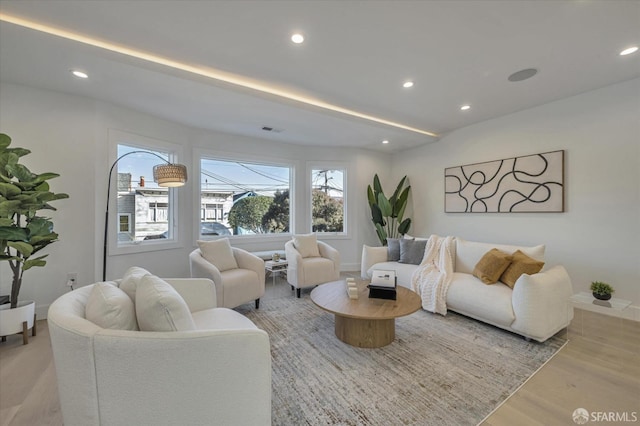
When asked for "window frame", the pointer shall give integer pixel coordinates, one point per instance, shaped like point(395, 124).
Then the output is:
point(174, 153)
point(128, 216)
point(329, 165)
point(200, 154)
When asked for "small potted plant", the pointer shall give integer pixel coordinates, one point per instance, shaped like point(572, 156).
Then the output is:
point(601, 291)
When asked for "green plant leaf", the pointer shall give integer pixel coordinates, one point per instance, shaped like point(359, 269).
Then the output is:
point(401, 203)
point(9, 191)
point(25, 249)
point(403, 228)
point(13, 233)
point(28, 264)
point(394, 197)
point(376, 215)
point(370, 197)
point(382, 234)
point(6, 221)
point(377, 188)
point(21, 172)
point(9, 207)
point(5, 141)
point(385, 206)
point(46, 176)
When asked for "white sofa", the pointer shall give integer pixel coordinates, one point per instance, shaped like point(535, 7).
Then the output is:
point(219, 373)
point(536, 308)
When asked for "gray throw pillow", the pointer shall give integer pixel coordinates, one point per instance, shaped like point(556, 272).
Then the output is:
point(412, 251)
point(393, 249)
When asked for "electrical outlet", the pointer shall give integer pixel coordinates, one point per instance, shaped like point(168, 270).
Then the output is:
point(72, 278)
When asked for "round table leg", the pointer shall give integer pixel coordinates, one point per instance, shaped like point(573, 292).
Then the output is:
point(364, 333)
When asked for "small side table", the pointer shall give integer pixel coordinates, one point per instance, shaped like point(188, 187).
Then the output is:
point(607, 321)
point(275, 268)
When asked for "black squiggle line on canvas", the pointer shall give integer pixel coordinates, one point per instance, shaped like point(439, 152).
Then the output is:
point(518, 175)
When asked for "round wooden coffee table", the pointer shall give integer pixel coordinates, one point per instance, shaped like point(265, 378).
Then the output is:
point(364, 322)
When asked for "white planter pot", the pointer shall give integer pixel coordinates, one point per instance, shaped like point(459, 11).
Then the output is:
point(11, 319)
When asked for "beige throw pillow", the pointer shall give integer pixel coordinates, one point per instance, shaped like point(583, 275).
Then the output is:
point(219, 253)
point(130, 280)
point(159, 307)
point(307, 245)
point(491, 266)
point(110, 307)
point(521, 264)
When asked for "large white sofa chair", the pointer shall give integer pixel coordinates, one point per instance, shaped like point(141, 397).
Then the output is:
point(536, 308)
point(310, 262)
point(217, 373)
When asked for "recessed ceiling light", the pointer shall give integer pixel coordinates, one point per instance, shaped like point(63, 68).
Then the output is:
point(79, 74)
point(297, 38)
point(407, 84)
point(629, 51)
point(465, 107)
point(385, 141)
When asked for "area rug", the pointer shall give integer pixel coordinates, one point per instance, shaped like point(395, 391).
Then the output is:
point(439, 371)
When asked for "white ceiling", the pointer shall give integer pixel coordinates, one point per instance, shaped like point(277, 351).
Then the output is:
point(356, 56)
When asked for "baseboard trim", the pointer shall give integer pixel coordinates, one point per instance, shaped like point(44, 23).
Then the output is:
point(41, 311)
point(349, 267)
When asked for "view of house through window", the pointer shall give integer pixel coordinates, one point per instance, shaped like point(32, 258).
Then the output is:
point(143, 207)
point(239, 198)
point(327, 201)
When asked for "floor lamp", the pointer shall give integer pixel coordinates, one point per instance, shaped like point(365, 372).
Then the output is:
point(166, 175)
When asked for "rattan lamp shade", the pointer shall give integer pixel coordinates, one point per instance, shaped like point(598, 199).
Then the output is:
point(170, 175)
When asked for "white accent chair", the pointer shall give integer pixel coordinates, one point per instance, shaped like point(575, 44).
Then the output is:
point(311, 270)
point(218, 373)
point(236, 286)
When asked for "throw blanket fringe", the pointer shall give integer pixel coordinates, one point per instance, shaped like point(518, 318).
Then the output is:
point(432, 278)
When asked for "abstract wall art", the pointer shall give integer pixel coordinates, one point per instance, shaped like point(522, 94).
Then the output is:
point(533, 183)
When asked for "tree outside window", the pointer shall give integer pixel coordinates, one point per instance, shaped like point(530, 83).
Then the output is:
point(250, 198)
point(327, 200)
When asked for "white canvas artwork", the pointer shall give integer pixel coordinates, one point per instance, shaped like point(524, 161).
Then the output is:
point(533, 183)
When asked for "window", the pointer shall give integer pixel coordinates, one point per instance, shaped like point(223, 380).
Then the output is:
point(327, 200)
point(242, 198)
point(144, 208)
point(124, 223)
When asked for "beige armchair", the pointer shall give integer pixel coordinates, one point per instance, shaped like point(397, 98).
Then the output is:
point(237, 274)
point(308, 267)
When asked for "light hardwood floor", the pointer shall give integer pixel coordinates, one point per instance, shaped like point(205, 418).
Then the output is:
point(599, 370)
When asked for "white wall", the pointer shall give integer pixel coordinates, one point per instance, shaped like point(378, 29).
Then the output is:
point(69, 135)
point(597, 237)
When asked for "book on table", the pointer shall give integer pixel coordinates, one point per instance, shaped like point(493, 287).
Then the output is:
point(383, 285)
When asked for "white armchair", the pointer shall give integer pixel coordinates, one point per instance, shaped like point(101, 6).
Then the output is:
point(238, 280)
point(308, 268)
point(220, 372)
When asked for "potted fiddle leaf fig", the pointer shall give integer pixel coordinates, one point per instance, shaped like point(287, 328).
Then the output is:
point(24, 232)
point(387, 214)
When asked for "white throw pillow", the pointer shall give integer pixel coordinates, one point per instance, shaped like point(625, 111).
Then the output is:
point(219, 253)
point(159, 307)
point(307, 245)
point(131, 279)
point(110, 307)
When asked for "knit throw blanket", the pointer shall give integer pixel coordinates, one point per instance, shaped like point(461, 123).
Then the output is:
point(432, 278)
